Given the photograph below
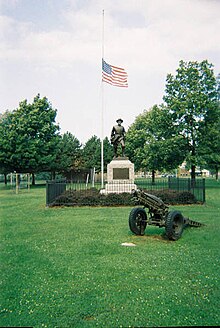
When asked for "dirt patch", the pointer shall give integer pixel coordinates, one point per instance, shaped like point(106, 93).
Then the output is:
point(88, 318)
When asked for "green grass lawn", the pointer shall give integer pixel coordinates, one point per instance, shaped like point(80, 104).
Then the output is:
point(65, 267)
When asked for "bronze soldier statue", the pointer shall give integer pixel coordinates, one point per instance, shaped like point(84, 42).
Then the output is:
point(118, 137)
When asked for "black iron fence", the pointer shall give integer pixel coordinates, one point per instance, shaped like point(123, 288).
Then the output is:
point(56, 188)
point(196, 187)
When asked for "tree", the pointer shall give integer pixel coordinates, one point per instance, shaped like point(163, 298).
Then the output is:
point(69, 153)
point(190, 96)
point(92, 153)
point(210, 141)
point(4, 168)
point(108, 152)
point(29, 137)
point(4, 165)
point(152, 143)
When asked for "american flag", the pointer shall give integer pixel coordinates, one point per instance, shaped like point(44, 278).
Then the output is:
point(114, 75)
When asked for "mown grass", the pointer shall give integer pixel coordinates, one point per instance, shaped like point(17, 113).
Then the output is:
point(65, 267)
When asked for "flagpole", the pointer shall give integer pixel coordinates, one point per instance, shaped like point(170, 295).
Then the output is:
point(102, 110)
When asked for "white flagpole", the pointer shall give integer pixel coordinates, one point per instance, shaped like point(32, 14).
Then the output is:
point(102, 110)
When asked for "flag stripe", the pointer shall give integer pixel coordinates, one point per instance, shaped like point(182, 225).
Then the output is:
point(114, 75)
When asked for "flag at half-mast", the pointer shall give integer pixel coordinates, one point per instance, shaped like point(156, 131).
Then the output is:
point(114, 75)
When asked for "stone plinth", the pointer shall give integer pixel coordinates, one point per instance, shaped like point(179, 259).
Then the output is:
point(120, 176)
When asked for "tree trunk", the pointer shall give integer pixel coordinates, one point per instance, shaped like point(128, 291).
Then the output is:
point(153, 177)
point(193, 166)
point(33, 179)
point(5, 178)
point(193, 172)
point(193, 176)
point(216, 172)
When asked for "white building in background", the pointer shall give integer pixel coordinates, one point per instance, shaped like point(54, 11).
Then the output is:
point(182, 171)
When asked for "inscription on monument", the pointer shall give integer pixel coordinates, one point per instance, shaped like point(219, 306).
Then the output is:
point(121, 173)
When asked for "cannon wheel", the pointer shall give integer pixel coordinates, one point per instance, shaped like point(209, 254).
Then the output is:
point(137, 220)
point(174, 225)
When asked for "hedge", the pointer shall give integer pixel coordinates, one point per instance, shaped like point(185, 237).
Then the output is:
point(92, 197)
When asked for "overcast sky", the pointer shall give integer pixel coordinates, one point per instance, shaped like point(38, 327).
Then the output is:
point(54, 48)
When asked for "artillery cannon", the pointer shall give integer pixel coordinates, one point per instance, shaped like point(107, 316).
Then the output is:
point(158, 214)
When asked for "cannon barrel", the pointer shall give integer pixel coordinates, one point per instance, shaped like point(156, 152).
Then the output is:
point(154, 203)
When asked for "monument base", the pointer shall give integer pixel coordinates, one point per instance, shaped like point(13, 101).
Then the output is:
point(118, 188)
point(120, 176)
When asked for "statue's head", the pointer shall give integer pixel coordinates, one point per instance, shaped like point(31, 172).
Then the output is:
point(119, 120)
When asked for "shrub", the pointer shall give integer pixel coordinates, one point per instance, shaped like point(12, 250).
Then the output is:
point(92, 197)
point(113, 199)
point(173, 197)
point(186, 197)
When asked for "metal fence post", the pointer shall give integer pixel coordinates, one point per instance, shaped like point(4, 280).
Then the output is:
point(189, 184)
point(203, 188)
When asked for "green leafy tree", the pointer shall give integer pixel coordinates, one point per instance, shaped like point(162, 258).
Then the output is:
point(5, 168)
point(29, 137)
point(152, 143)
point(211, 151)
point(92, 153)
point(210, 141)
point(69, 154)
point(190, 96)
point(107, 152)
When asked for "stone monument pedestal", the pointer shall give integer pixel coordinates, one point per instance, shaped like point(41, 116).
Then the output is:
point(120, 176)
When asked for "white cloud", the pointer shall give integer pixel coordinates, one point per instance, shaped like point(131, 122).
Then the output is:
point(178, 27)
point(146, 37)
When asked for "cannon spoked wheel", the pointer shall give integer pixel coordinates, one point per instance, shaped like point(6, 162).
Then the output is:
point(174, 225)
point(137, 220)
